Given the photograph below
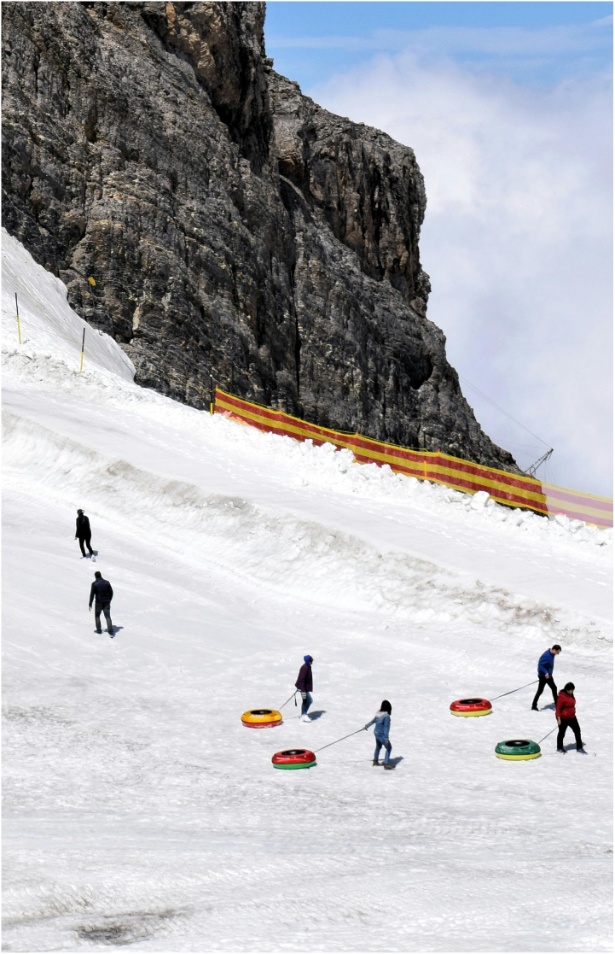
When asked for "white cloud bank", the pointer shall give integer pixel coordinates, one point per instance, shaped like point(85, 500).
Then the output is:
point(517, 241)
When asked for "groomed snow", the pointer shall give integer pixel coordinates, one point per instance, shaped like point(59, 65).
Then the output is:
point(140, 812)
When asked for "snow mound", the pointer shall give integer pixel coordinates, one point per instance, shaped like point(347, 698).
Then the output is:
point(51, 332)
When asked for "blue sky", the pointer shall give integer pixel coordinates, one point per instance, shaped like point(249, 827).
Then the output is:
point(508, 107)
point(537, 42)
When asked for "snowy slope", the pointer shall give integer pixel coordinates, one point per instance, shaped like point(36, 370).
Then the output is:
point(138, 809)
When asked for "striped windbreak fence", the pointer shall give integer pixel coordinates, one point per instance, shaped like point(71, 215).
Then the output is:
point(579, 506)
point(514, 490)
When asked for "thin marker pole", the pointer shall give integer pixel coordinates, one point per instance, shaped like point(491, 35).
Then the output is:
point(18, 322)
point(82, 352)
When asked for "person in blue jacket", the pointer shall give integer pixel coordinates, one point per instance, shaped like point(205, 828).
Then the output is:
point(382, 723)
point(545, 674)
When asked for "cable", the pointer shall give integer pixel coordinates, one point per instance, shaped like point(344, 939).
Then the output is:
point(362, 729)
point(288, 700)
point(515, 690)
point(548, 734)
point(488, 399)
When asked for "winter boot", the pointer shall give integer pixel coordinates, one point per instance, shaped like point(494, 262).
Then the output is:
point(387, 765)
point(375, 762)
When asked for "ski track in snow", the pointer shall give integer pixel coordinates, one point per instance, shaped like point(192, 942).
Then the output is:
point(140, 812)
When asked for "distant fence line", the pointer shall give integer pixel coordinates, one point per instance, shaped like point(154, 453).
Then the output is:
point(513, 490)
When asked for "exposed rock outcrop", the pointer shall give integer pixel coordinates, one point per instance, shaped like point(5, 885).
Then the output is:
point(236, 231)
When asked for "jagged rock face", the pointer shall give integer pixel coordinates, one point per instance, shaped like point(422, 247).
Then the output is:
point(368, 187)
point(236, 231)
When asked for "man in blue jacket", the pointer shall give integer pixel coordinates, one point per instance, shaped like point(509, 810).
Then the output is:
point(545, 674)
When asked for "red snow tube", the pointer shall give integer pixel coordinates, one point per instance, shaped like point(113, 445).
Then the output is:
point(470, 707)
point(294, 759)
point(261, 718)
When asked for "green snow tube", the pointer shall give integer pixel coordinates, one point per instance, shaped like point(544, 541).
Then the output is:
point(518, 750)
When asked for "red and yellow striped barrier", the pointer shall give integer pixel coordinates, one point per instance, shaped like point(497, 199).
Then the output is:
point(579, 506)
point(514, 490)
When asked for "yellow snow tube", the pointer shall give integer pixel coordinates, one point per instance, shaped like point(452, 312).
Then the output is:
point(261, 718)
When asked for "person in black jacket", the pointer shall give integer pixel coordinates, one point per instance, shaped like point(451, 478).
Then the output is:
point(304, 685)
point(83, 533)
point(101, 591)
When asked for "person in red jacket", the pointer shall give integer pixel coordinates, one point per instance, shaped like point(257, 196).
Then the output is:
point(565, 713)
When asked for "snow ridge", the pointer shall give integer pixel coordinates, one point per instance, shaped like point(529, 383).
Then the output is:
point(264, 548)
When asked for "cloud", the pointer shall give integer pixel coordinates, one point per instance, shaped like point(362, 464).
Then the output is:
point(517, 241)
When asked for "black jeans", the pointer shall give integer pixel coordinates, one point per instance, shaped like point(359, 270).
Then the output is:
point(574, 725)
point(106, 609)
point(85, 540)
point(542, 682)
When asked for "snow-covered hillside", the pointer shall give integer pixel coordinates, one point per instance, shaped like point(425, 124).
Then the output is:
point(138, 809)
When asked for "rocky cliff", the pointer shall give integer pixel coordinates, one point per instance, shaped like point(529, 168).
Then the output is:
point(235, 231)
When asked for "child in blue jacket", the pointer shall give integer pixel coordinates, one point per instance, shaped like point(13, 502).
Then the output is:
point(382, 722)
